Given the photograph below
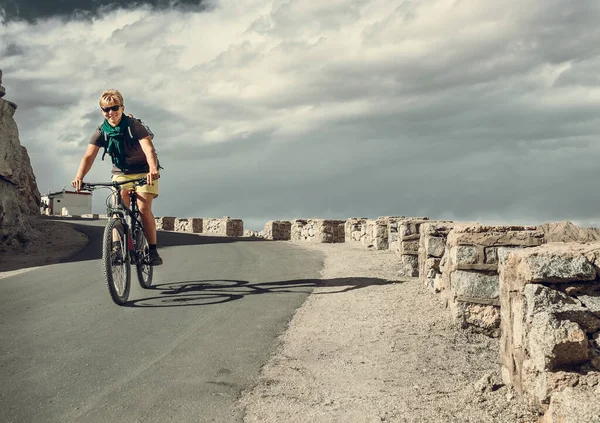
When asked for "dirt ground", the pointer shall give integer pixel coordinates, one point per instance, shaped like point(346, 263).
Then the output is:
point(381, 349)
point(50, 241)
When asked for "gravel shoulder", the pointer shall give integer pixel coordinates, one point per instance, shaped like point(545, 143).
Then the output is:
point(371, 351)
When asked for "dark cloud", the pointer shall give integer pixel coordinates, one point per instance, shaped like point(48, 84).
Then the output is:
point(13, 49)
point(32, 10)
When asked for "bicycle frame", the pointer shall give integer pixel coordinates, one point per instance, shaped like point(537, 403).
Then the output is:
point(131, 225)
point(118, 208)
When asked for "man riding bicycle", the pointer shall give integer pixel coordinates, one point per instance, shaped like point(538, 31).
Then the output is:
point(130, 145)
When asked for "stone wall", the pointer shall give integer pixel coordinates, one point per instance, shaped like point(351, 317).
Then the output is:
point(407, 244)
point(432, 245)
point(225, 226)
point(190, 225)
point(470, 282)
point(550, 328)
point(278, 230)
point(318, 230)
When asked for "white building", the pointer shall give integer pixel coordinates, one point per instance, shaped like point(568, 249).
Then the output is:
point(67, 203)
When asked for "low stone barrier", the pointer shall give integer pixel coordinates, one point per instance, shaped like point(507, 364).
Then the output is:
point(407, 244)
point(432, 245)
point(550, 328)
point(470, 282)
point(165, 223)
point(375, 233)
point(278, 230)
point(191, 225)
point(353, 229)
point(225, 226)
point(318, 230)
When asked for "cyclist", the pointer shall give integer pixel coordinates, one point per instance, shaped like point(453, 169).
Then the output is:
point(139, 155)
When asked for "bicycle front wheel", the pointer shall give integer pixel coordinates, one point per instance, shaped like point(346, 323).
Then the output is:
point(117, 268)
point(144, 270)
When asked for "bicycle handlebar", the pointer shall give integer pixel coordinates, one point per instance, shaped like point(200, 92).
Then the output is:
point(89, 186)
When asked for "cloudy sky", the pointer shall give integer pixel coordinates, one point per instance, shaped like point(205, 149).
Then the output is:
point(484, 110)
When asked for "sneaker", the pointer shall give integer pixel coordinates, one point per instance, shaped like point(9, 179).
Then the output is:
point(155, 259)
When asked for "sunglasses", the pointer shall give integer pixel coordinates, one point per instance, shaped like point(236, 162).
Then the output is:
point(113, 108)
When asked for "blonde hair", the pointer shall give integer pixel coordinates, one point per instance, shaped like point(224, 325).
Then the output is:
point(111, 96)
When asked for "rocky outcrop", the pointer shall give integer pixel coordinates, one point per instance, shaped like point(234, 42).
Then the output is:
point(19, 194)
point(2, 89)
point(568, 232)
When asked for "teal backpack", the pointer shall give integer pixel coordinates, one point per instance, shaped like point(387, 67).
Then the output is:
point(116, 150)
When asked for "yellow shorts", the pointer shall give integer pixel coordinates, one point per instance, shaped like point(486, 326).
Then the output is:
point(151, 189)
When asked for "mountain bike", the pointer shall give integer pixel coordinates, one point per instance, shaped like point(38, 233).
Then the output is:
point(124, 242)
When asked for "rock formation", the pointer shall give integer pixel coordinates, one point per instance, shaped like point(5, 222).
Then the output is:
point(568, 232)
point(19, 195)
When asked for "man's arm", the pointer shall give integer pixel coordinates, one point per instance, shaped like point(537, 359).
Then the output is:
point(86, 164)
point(151, 158)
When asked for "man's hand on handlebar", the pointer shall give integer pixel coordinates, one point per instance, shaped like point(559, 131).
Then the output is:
point(77, 183)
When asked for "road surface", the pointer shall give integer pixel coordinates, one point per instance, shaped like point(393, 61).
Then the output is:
point(180, 352)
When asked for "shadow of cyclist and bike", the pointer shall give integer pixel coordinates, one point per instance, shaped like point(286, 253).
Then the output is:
point(209, 292)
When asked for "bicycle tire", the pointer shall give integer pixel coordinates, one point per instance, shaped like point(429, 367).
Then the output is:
point(144, 270)
point(117, 268)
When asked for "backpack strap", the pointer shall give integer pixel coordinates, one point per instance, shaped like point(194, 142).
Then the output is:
point(129, 126)
point(102, 133)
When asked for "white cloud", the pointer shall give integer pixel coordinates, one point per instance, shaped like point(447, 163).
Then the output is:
point(340, 92)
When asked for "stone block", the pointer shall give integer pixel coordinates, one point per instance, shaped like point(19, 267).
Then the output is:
point(190, 225)
point(489, 236)
point(408, 228)
point(225, 226)
point(480, 318)
point(409, 247)
point(464, 255)
point(354, 229)
point(553, 343)
point(434, 246)
point(165, 223)
point(541, 299)
point(409, 266)
point(430, 270)
point(556, 268)
point(472, 284)
point(278, 230)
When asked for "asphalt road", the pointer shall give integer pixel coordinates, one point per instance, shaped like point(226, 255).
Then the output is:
point(180, 352)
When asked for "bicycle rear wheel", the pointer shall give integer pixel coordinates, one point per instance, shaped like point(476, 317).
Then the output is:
point(144, 270)
point(117, 268)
